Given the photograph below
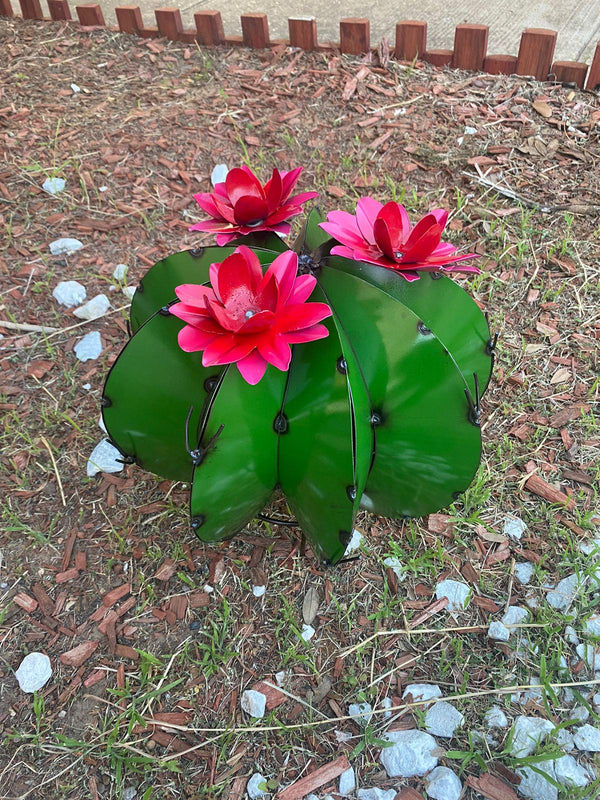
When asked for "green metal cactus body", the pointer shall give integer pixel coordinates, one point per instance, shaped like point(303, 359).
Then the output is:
point(382, 414)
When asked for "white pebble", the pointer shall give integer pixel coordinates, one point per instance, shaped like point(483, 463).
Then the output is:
point(69, 293)
point(570, 773)
point(591, 547)
point(442, 719)
point(387, 703)
point(219, 174)
point(587, 738)
point(89, 348)
point(258, 591)
point(75, 89)
point(104, 458)
point(422, 691)
point(571, 635)
point(524, 571)
point(94, 308)
point(590, 655)
point(34, 672)
point(307, 632)
point(527, 734)
point(376, 794)
point(396, 566)
point(355, 541)
point(495, 717)
point(254, 786)
point(253, 703)
point(592, 626)
point(564, 739)
point(53, 185)
point(579, 714)
point(411, 754)
point(456, 592)
point(443, 784)
point(515, 615)
point(565, 592)
point(281, 677)
point(120, 271)
point(64, 246)
point(498, 631)
point(129, 291)
point(347, 782)
point(535, 786)
point(514, 527)
point(364, 710)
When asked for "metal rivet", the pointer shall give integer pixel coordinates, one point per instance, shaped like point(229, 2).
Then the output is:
point(490, 346)
point(456, 495)
point(375, 419)
point(474, 415)
point(140, 288)
point(280, 423)
point(197, 457)
point(436, 276)
point(344, 537)
point(198, 522)
point(210, 383)
point(164, 311)
point(422, 328)
point(197, 252)
point(105, 402)
point(195, 625)
point(341, 365)
point(351, 492)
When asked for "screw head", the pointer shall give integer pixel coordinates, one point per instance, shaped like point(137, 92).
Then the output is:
point(423, 329)
point(198, 522)
point(342, 366)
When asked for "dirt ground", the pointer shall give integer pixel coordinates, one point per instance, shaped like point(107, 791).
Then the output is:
point(153, 636)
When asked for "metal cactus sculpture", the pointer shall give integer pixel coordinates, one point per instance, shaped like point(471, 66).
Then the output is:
point(345, 372)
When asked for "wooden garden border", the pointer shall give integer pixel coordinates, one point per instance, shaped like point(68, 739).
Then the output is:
point(536, 49)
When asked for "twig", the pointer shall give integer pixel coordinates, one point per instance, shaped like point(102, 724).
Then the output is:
point(58, 480)
point(26, 326)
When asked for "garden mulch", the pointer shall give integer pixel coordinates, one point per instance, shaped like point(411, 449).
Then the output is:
point(152, 635)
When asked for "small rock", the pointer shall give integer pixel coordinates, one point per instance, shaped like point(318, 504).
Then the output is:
point(129, 793)
point(258, 591)
point(532, 601)
point(565, 592)
point(387, 703)
point(498, 631)
point(527, 734)
point(69, 293)
point(129, 291)
point(592, 626)
point(364, 709)
point(442, 719)
point(587, 738)
point(579, 714)
point(34, 672)
point(570, 773)
point(495, 717)
point(422, 691)
point(120, 271)
point(307, 632)
point(396, 566)
point(536, 786)
point(456, 592)
point(94, 308)
point(515, 615)
point(590, 655)
point(412, 754)
point(253, 787)
point(104, 458)
point(514, 527)
point(596, 700)
point(564, 739)
point(443, 784)
point(64, 246)
point(75, 89)
point(524, 571)
point(571, 635)
point(347, 782)
point(253, 703)
point(356, 540)
point(281, 677)
point(470, 131)
point(376, 794)
point(53, 185)
point(592, 547)
point(219, 174)
point(89, 348)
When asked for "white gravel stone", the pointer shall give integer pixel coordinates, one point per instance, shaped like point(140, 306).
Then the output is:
point(53, 185)
point(387, 703)
point(565, 592)
point(442, 719)
point(364, 709)
point(258, 591)
point(34, 672)
point(129, 793)
point(422, 691)
point(514, 527)
point(355, 541)
point(443, 784)
point(253, 786)
point(494, 717)
point(587, 738)
point(89, 348)
point(396, 566)
point(570, 773)
point(69, 293)
point(307, 632)
point(564, 739)
point(253, 703)
point(104, 458)
point(120, 271)
point(456, 592)
point(281, 677)
point(498, 631)
point(75, 89)
point(515, 615)
point(524, 571)
point(219, 174)
point(412, 754)
point(596, 700)
point(94, 308)
point(65, 246)
point(591, 547)
point(592, 626)
point(579, 714)
point(532, 601)
point(590, 655)
point(535, 786)
point(129, 291)
point(376, 794)
point(528, 733)
point(571, 635)
point(347, 783)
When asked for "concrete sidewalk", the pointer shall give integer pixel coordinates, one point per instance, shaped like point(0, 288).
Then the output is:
point(577, 21)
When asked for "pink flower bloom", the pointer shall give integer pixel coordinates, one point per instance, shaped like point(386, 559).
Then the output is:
point(247, 318)
point(242, 205)
point(382, 235)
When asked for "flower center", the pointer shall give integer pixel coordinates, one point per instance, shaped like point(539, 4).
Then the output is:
point(255, 224)
point(249, 314)
point(398, 254)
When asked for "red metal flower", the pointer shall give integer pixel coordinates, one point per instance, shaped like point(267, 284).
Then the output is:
point(382, 235)
point(247, 318)
point(242, 205)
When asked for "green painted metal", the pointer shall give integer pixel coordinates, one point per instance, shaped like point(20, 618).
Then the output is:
point(426, 449)
point(314, 237)
point(149, 391)
point(443, 306)
point(238, 472)
point(157, 287)
point(319, 472)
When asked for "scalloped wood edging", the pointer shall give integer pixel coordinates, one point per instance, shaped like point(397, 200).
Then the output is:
point(535, 56)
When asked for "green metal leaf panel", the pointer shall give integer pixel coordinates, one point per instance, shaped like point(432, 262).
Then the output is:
point(261, 240)
point(238, 472)
point(317, 469)
point(426, 448)
point(157, 287)
point(315, 236)
point(443, 306)
point(148, 394)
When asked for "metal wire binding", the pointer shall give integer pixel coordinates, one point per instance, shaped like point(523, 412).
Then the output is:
point(474, 410)
point(290, 523)
point(198, 454)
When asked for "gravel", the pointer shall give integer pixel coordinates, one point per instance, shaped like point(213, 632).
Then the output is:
point(89, 348)
point(514, 527)
point(494, 717)
point(412, 754)
point(535, 786)
point(570, 773)
point(69, 293)
point(33, 672)
point(422, 691)
point(456, 592)
point(376, 794)
point(94, 308)
point(364, 709)
point(587, 738)
point(443, 784)
point(524, 571)
point(65, 246)
point(528, 733)
point(347, 783)
point(253, 786)
point(563, 595)
point(104, 458)
point(253, 703)
point(53, 185)
point(442, 719)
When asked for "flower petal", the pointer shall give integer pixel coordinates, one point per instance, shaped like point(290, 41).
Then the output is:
point(288, 181)
point(252, 367)
point(309, 334)
point(195, 294)
point(273, 190)
point(303, 288)
point(294, 317)
point(276, 351)
point(283, 269)
point(249, 210)
point(240, 182)
point(367, 210)
point(191, 339)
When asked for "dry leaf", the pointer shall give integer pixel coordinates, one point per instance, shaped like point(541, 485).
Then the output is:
point(561, 375)
point(310, 606)
point(490, 536)
point(542, 108)
point(534, 348)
